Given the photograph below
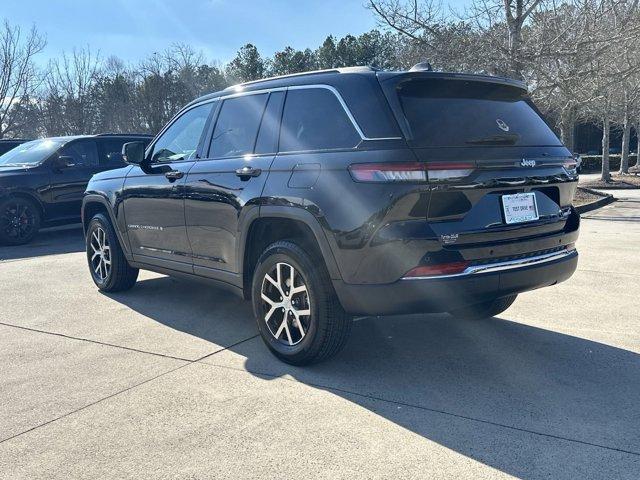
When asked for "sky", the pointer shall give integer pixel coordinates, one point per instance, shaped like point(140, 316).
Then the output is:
point(135, 29)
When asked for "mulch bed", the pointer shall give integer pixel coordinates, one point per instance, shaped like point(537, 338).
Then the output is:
point(583, 197)
point(586, 200)
point(617, 182)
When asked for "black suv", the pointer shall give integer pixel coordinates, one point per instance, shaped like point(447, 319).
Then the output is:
point(42, 182)
point(332, 194)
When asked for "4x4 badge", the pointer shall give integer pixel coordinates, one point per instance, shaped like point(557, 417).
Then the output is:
point(527, 163)
point(502, 125)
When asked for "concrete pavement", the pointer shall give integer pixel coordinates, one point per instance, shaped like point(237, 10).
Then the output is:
point(169, 380)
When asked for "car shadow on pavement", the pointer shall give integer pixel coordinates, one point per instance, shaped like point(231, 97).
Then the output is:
point(52, 241)
point(529, 402)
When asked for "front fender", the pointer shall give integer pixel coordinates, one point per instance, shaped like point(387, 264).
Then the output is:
point(106, 206)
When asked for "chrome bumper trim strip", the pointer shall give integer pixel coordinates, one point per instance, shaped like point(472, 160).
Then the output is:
point(503, 266)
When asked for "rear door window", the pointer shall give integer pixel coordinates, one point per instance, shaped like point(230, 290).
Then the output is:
point(237, 126)
point(455, 113)
point(314, 119)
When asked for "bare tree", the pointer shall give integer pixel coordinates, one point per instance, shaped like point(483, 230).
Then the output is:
point(71, 89)
point(19, 78)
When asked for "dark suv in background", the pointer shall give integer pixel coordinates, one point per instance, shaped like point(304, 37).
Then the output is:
point(330, 194)
point(42, 182)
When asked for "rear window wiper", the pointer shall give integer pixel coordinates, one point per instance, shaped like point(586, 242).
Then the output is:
point(505, 139)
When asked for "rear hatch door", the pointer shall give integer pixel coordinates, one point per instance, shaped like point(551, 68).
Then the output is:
point(496, 170)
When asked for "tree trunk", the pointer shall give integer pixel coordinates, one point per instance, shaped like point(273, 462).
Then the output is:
point(606, 128)
point(567, 128)
point(638, 146)
point(626, 133)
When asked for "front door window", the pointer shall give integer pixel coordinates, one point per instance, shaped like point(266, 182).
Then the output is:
point(180, 141)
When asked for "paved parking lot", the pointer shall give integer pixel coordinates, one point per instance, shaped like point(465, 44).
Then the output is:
point(169, 380)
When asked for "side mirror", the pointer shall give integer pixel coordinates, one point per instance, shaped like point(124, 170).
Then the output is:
point(63, 161)
point(133, 153)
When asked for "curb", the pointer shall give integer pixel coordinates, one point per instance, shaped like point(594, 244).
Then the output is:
point(605, 200)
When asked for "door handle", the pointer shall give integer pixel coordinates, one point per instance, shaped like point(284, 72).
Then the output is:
point(245, 173)
point(174, 175)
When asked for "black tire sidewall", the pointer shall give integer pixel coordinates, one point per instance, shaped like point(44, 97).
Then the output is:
point(36, 225)
point(282, 252)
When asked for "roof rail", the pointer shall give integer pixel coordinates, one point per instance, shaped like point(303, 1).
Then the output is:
point(360, 69)
point(123, 135)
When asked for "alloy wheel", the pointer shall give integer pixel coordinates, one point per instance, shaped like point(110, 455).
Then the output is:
point(101, 255)
point(18, 220)
point(286, 305)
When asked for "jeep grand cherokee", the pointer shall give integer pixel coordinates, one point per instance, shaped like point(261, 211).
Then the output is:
point(330, 194)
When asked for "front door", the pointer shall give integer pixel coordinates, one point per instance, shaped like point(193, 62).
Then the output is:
point(69, 183)
point(153, 193)
point(221, 187)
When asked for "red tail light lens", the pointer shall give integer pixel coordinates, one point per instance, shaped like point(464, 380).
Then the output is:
point(440, 269)
point(409, 171)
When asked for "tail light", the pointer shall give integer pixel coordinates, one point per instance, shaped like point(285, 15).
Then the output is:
point(570, 164)
point(451, 268)
point(440, 171)
point(389, 172)
point(409, 171)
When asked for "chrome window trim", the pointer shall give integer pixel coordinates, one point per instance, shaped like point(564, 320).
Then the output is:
point(336, 93)
point(323, 86)
point(503, 266)
point(333, 90)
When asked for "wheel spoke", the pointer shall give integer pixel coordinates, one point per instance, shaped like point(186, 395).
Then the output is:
point(267, 299)
point(286, 329)
point(298, 289)
point(291, 278)
point(299, 325)
point(279, 276)
point(303, 312)
point(282, 326)
point(268, 278)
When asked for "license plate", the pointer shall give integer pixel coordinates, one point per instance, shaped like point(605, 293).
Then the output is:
point(520, 207)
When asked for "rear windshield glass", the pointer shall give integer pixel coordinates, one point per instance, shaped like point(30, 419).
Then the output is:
point(455, 113)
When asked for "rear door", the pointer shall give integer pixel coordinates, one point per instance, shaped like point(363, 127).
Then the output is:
point(153, 194)
point(221, 187)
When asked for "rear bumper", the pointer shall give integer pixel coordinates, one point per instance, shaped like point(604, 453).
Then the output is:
point(443, 293)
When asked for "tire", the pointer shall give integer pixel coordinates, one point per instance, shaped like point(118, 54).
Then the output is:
point(108, 266)
point(487, 309)
point(302, 338)
point(20, 220)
